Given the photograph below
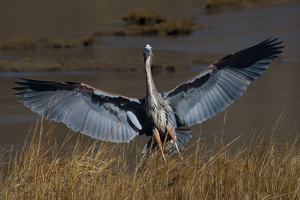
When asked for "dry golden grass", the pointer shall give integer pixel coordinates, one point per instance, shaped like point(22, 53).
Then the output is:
point(265, 169)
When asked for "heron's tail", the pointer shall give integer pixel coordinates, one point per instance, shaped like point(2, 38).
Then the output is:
point(182, 136)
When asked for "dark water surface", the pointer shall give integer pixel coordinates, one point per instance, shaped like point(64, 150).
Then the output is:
point(256, 111)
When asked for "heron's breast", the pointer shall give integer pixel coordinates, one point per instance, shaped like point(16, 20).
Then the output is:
point(158, 115)
point(160, 120)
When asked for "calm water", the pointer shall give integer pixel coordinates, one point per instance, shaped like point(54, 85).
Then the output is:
point(257, 110)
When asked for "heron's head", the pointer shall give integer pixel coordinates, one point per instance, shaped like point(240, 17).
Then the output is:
point(147, 51)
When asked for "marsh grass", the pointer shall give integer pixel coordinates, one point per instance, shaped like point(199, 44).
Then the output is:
point(263, 169)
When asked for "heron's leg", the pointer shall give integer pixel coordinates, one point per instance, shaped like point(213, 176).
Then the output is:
point(157, 137)
point(172, 134)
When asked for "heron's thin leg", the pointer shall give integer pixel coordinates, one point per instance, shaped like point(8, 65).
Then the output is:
point(172, 134)
point(157, 137)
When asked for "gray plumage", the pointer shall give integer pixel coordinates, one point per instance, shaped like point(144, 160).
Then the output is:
point(110, 117)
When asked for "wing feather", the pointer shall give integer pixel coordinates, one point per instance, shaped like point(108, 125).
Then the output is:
point(94, 112)
point(214, 89)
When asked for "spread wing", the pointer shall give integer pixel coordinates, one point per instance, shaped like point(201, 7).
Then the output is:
point(214, 89)
point(91, 111)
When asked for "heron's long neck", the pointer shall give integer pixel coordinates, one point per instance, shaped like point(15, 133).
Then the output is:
point(151, 89)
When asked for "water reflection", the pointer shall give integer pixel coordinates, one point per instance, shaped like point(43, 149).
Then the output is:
point(198, 67)
point(7, 57)
point(288, 59)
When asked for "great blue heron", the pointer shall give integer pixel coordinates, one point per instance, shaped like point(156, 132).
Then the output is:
point(115, 118)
